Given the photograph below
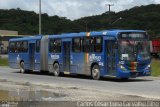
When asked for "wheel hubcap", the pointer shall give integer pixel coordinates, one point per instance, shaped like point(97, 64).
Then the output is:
point(56, 70)
point(22, 68)
point(95, 72)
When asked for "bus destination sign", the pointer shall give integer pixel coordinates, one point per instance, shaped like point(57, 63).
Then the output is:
point(132, 36)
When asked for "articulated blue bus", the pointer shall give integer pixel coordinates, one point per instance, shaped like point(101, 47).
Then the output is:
point(110, 53)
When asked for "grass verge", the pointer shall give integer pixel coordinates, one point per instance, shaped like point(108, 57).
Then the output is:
point(3, 61)
point(155, 66)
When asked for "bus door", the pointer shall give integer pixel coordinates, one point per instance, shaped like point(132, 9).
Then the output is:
point(66, 56)
point(110, 57)
point(32, 55)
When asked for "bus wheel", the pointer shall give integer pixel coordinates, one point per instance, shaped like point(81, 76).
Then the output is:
point(95, 72)
point(22, 68)
point(56, 69)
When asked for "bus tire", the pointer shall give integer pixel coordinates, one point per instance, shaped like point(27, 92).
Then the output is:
point(22, 67)
point(95, 72)
point(124, 79)
point(56, 69)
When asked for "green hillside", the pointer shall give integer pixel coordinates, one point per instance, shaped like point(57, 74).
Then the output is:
point(143, 17)
point(26, 22)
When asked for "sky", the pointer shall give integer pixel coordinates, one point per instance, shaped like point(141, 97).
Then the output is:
point(74, 9)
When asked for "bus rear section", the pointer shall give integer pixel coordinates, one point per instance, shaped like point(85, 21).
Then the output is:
point(18, 53)
point(23, 55)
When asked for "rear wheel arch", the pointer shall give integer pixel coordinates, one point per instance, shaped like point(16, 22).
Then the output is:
point(21, 61)
point(95, 71)
point(22, 66)
point(94, 63)
point(55, 62)
point(55, 68)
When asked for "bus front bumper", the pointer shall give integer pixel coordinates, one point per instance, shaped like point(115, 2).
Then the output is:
point(133, 74)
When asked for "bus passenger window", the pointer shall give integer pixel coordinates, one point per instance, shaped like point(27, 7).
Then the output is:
point(18, 47)
point(55, 45)
point(38, 46)
point(76, 45)
point(98, 44)
point(12, 47)
point(25, 46)
point(88, 45)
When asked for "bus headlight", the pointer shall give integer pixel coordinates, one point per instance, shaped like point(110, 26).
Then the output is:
point(148, 67)
point(122, 67)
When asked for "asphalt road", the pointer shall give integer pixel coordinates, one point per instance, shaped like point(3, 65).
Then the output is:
point(146, 87)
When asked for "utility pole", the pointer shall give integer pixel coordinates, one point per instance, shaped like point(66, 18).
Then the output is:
point(109, 6)
point(40, 23)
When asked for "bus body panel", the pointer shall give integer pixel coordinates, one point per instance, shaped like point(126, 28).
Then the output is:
point(77, 63)
point(55, 58)
point(16, 58)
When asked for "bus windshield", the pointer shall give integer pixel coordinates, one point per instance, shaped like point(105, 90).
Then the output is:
point(134, 50)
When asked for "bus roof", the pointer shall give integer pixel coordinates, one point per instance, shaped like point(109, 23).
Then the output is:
point(111, 33)
point(27, 38)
